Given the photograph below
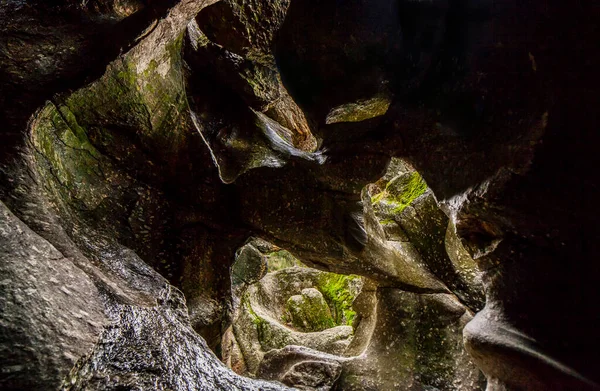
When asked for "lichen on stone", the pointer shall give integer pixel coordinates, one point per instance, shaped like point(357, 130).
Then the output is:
point(281, 259)
point(360, 110)
point(401, 191)
point(340, 291)
point(309, 311)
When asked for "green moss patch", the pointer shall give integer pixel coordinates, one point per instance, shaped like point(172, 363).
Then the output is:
point(401, 191)
point(339, 291)
point(309, 311)
point(71, 165)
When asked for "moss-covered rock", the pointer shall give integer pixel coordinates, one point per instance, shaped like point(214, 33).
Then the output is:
point(294, 306)
point(110, 152)
point(340, 291)
point(140, 98)
point(309, 311)
point(74, 168)
point(360, 110)
point(400, 192)
point(281, 259)
point(410, 217)
point(256, 332)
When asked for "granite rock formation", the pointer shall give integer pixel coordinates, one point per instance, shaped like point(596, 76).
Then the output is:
point(142, 143)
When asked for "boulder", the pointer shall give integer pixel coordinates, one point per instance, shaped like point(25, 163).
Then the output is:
point(294, 306)
point(301, 368)
point(309, 311)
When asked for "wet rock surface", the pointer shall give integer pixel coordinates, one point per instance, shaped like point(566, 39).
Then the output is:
point(292, 306)
point(143, 143)
point(155, 349)
point(283, 329)
point(415, 343)
point(75, 329)
point(63, 318)
point(302, 368)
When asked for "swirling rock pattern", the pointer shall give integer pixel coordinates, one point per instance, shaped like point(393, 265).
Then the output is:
point(142, 143)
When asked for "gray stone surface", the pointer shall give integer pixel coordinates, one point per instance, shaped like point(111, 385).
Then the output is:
point(415, 343)
point(135, 125)
point(286, 308)
point(302, 368)
point(155, 349)
point(52, 313)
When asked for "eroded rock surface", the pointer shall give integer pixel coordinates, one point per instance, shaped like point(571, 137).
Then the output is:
point(291, 306)
point(410, 216)
point(143, 143)
point(63, 318)
point(287, 327)
point(302, 368)
point(81, 310)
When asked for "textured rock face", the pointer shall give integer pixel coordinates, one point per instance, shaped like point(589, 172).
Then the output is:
point(142, 143)
point(66, 324)
point(415, 343)
point(283, 329)
point(81, 310)
point(309, 311)
point(303, 368)
point(497, 129)
point(409, 215)
point(40, 58)
point(155, 349)
point(291, 306)
point(64, 316)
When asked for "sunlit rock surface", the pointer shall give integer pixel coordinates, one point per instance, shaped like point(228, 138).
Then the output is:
point(409, 215)
point(291, 306)
point(283, 329)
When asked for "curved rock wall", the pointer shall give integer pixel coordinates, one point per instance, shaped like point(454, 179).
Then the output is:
point(142, 143)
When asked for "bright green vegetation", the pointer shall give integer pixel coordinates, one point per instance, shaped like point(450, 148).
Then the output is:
point(339, 294)
point(401, 191)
